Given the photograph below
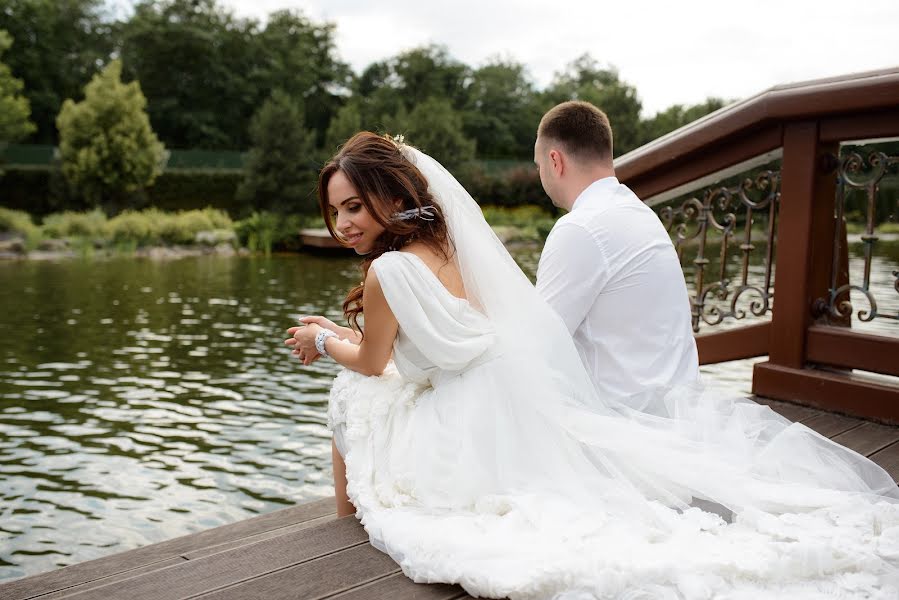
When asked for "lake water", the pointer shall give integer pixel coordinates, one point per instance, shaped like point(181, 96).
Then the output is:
point(142, 400)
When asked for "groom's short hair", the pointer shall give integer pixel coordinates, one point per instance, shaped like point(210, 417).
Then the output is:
point(582, 129)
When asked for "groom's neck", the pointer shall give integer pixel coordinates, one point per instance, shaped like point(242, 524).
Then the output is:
point(581, 180)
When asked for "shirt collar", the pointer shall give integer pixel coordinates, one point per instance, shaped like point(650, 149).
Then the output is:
point(598, 186)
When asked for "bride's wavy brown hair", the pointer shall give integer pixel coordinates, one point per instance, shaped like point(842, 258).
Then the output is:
point(387, 182)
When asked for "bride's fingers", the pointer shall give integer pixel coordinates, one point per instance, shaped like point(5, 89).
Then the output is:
point(291, 342)
point(318, 320)
point(293, 330)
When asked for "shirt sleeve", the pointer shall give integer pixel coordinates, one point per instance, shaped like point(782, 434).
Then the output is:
point(571, 273)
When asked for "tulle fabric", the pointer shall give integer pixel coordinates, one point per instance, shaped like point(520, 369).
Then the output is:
point(484, 457)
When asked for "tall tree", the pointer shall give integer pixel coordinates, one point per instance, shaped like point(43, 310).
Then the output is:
point(346, 123)
point(14, 108)
point(194, 61)
point(401, 83)
point(430, 72)
point(584, 79)
point(282, 163)
point(675, 117)
point(58, 46)
point(502, 110)
point(299, 57)
point(206, 72)
point(436, 127)
point(106, 144)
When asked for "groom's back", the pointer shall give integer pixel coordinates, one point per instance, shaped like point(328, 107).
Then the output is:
point(610, 270)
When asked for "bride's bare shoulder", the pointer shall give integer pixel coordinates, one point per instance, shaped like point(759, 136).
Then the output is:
point(443, 266)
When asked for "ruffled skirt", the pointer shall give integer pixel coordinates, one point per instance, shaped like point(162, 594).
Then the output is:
point(460, 483)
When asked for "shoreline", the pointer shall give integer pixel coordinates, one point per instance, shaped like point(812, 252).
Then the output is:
point(148, 252)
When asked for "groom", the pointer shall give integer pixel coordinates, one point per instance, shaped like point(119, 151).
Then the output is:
point(608, 266)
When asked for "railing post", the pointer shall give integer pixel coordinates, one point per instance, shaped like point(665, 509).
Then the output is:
point(804, 247)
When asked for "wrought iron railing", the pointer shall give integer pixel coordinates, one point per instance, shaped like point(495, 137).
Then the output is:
point(729, 211)
point(865, 174)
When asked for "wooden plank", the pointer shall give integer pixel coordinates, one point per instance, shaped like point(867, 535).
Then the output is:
point(198, 576)
point(793, 412)
point(860, 93)
point(706, 160)
point(843, 347)
point(318, 578)
point(81, 573)
point(861, 127)
point(849, 394)
point(888, 458)
point(734, 344)
point(830, 424)
point(256, 538)
point(113, 578)
point(399, 586)
point(868, 438)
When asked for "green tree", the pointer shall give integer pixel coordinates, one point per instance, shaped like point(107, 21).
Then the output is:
point(675, 117)
point(345, 123)
point(281, 165)
point(436, 128)
point(106, 144)
point(430, 72)
point(397, 85)
point(502, 110)
point(195, 62)
point(584, 79)
point(206, 72)
point(14, 108)
point(300, 57)
point(58, 46)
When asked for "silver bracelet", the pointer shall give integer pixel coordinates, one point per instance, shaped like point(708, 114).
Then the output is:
point(320, 338)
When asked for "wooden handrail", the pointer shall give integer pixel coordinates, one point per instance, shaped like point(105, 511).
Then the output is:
point(860, 92)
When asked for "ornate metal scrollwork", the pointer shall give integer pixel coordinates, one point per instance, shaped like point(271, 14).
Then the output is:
point(854, 173)
point(690, 223)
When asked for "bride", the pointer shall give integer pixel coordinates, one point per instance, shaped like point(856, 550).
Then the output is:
point(472, 445)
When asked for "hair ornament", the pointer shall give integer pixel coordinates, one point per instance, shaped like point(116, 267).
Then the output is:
point(398, 140)
point(425, 213)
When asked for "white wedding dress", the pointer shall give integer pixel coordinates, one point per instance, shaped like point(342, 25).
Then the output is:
point(483, 457)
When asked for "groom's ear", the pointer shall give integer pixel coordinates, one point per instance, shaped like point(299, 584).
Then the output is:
point(557, 161)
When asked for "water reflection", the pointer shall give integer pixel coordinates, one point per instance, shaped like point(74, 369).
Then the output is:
point(144, 400)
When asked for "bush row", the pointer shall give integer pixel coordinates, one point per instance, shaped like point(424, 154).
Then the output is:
point(139, 228)
point(40, 192)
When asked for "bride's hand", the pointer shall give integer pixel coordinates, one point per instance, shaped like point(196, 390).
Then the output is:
point(303, 343)
point(344, 333)
point(322, 322)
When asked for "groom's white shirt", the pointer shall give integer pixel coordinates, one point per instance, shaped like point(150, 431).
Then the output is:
point(610, 270)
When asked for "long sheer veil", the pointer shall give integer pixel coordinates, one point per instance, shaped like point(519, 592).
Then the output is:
point(686, 444)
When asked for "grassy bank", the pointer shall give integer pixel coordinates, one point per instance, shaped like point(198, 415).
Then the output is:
point(85, 233)
point(130, 231)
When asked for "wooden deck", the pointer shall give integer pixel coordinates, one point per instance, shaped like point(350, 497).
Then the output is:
point(305, 552)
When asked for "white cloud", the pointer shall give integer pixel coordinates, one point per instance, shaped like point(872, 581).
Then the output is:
point(673, 52)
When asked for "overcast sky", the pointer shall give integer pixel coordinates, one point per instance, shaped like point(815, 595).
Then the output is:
point(673, 52)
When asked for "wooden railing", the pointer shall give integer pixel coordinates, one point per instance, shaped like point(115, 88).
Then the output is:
point(788, 140)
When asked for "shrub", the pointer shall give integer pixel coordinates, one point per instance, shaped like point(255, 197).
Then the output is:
point(138, 227)
point(265, 231)
point(106, 144)
point(152, 226)
point(68, 224)
point(16, 221)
